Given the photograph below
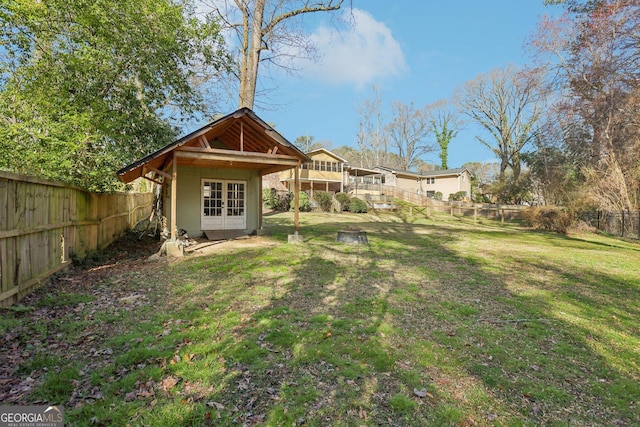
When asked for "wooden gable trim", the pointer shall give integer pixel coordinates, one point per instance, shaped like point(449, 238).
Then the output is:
point(241, 136)
point(274, 169)
point(146, 169)
point(238, 156)
point(242, 132)
point(203, 142)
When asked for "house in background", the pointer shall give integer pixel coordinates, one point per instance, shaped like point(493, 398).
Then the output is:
point(449, 181)
point(212, 178)
point(325, 171)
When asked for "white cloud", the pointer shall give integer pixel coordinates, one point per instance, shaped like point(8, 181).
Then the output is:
point(360, 56)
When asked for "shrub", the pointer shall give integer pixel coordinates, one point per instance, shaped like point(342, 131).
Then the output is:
point(459, 196)
point(268, 196)
point(343, 199)
point(304, 204)
point(438, 195)
point(324, 199)
point(549, 218)
point(276, 201)
point(357, 205)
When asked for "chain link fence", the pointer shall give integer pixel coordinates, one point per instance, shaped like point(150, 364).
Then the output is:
point(622, 223)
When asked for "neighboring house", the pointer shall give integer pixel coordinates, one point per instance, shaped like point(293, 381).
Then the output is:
point(212, 178)
point(325, 171)
point(449, 181)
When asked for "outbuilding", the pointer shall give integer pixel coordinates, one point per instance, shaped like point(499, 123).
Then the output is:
point(212, 177)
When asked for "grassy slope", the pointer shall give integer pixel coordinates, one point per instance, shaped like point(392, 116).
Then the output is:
point(435, 322)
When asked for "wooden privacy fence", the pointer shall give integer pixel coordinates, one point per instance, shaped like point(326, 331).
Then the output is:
point(42, 224)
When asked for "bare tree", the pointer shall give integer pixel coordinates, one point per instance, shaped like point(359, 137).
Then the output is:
point(267, 26)
point(308, 143)
point(483, 173)
point(595, 54)
point(445, 125)
point(507, 103)
point(371, 137)
point(409, 131)
point(350, 154)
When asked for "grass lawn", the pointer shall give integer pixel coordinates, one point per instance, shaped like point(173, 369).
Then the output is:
point(441, 321)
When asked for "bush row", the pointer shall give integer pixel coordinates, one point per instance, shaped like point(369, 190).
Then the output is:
point(284, 201)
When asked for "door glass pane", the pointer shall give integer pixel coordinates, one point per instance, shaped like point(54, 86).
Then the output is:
point(235, 199)
point(212, 199)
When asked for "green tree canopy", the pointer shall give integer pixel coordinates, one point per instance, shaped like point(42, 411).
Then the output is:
point(87, 86)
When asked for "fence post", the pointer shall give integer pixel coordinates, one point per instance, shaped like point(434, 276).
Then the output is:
point(475, 213)
point(622, 228)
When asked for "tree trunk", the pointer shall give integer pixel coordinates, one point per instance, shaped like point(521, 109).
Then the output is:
point(251, 57)
point(517, 168)
point(504, 164)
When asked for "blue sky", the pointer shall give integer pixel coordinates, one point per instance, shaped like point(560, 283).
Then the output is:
point(419, 53)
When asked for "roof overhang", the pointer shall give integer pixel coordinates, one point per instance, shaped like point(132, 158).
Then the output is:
point(364, 172)
point(240, 140)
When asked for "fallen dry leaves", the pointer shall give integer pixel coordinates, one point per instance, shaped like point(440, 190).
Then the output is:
point(105, 287)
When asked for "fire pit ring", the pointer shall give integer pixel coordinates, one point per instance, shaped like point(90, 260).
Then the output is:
point(357, 237)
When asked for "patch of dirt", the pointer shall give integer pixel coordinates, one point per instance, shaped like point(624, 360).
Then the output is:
point(203, 246)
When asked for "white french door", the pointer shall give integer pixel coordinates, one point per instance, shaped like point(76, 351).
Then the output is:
point(223, 205)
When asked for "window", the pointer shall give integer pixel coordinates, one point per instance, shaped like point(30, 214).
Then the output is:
point(323, 166)
point(431, 180)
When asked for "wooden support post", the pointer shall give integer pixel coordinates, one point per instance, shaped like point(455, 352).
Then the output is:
point(296, 198)
point(174, 196)
point(164, 202)
point(260, 203)
point(475, 213)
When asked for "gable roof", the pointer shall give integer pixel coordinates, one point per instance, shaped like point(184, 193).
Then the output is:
point(436, 173)
point(238, 140)
point(327, 152)
point(445, 172)
point(356, 171)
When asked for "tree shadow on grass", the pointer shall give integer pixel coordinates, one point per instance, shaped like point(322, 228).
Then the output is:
point(407, 330)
